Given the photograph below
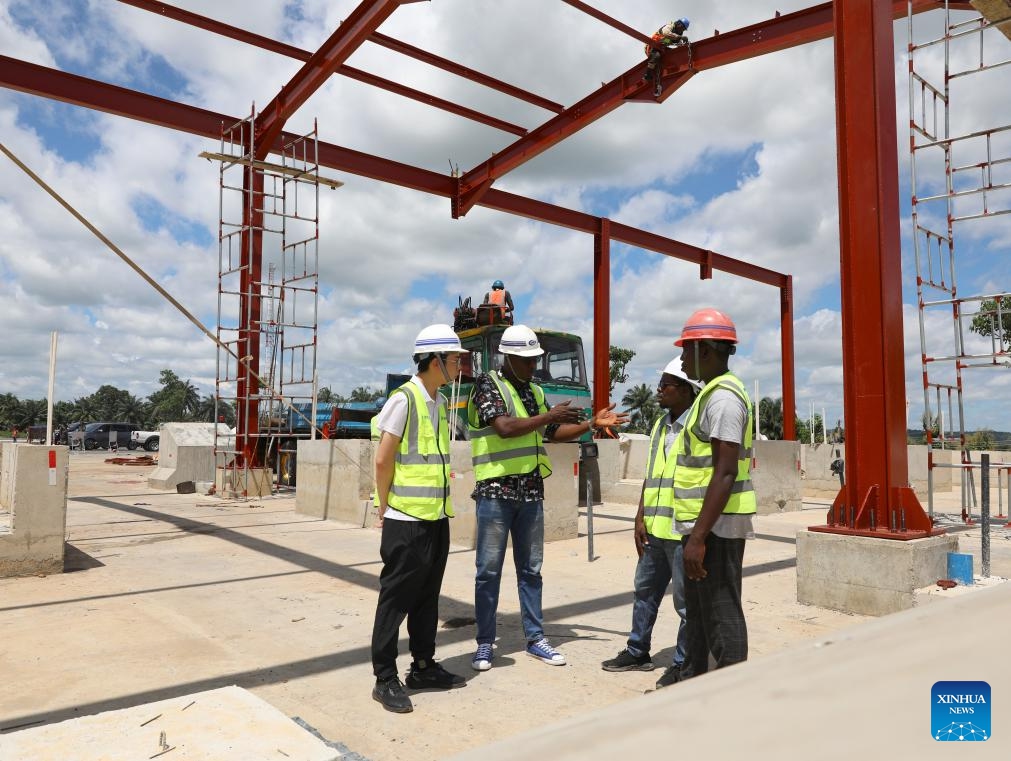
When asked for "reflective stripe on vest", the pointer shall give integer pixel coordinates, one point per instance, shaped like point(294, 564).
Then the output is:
point(695, 459)
point(494, 456)
point(658, 488)
point(421, 472)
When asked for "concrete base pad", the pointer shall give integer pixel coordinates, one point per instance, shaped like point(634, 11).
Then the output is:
point(232, 482)
point(206, 726)
point(867, 575)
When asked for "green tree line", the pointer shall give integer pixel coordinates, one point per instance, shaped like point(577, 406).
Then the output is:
point(176, 401)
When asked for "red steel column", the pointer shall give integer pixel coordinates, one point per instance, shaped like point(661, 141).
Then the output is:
point(877, 499)
point(786, 346)
point(602, 315)
point(248, 386)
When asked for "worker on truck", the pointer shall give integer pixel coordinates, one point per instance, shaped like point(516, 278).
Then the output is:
point(501, 302)
point(412, 485)
point(508, 421)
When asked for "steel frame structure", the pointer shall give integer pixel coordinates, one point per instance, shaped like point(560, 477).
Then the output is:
point(956, 181)
point(874, 392)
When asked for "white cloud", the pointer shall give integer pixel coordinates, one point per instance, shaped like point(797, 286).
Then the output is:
point(391, 259)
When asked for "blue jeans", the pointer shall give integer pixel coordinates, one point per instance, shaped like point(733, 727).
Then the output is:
point(661, 563)
point(497, 520)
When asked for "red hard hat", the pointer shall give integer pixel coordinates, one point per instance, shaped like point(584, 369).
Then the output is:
point(708, 323)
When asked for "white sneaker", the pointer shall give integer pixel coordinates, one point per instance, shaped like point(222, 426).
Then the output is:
point(542, 651)
point(482, 658)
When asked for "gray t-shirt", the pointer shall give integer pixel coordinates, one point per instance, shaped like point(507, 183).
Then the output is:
point(725, 417)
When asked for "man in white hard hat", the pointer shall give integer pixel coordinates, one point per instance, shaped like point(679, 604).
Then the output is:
point(413, 495)
point(508, 421)
point(656, 542)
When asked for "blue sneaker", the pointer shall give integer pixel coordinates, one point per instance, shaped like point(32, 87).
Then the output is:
point(542, 651)
point(482, 658)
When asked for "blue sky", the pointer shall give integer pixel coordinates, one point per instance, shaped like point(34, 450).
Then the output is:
point(741, 160)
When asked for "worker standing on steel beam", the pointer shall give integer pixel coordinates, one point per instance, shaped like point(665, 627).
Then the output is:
point(656, 542)
point(669, 35)
point(412, 486)
point(714, 499)
point(509, 420)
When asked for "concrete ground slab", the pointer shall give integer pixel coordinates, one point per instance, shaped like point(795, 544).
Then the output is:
point(173, 594)
point(864, 692)
point(226, 723)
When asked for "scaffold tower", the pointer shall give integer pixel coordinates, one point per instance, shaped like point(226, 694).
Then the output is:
point(960, 162)
point(267, 372)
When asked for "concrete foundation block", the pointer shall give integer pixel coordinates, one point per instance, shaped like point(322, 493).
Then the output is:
point(231, 483)
point(776, 477)
point(867, 575)
point(34, 496)
point(185, 453)
point(336, 479)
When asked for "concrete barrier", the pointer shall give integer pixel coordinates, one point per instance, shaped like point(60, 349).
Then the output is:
point(34, 496)
point(819, 480)
point(335, 481)
point(185, 453)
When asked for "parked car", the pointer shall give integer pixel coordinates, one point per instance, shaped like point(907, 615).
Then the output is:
point(147, 439)
point(99, 435)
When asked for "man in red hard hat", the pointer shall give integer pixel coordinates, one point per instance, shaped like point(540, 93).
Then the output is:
point(714, 500)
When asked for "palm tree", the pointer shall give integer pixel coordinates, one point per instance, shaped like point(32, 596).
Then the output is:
point(770, 417)
point(132, 409)
point(640, 401)
point(205, 409)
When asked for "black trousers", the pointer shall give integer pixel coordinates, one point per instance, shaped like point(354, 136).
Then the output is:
point(714, 613)
point(414, 557)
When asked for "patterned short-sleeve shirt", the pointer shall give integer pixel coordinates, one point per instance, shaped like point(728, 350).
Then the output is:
point(528, 487)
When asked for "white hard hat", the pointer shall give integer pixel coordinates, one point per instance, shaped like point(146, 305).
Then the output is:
point(674, 368)
point(436, 339)
point(521, 341)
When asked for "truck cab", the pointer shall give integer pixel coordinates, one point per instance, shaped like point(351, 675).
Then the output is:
point(560, 371)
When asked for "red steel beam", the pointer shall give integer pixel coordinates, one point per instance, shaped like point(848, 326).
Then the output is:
point(431, 100)
point(346, 39)
point(462, 71)
point(601, 16)
point(876, 499)
point(89, 93)
point(266, 43)
point(779, 33)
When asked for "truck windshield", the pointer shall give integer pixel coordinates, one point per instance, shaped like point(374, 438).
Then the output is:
point(561, 363)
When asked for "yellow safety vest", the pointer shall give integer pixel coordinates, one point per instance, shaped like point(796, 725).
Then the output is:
point(695, 459)
point(494, 456)
point(421, 473)
point(658, 488)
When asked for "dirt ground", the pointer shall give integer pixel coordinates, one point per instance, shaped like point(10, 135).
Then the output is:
point(169, 594)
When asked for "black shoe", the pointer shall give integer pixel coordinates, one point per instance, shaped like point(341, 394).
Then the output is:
point(432, 676)
point(625, 661)
point(390, 692)
point(671, 675)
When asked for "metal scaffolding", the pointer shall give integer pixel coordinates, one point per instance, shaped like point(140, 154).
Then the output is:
point(961, 181)
point(267, 327)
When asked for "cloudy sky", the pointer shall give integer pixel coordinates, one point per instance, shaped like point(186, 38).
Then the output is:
point(741, 160)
